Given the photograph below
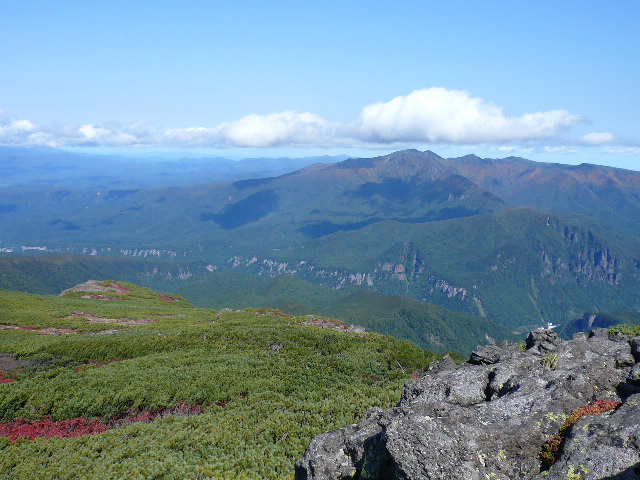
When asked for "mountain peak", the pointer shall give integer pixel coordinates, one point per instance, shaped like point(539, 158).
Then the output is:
point(433, 155)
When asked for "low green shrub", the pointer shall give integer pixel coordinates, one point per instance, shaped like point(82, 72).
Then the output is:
point(268, 384)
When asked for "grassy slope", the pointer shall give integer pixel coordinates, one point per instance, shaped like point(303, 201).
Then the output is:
point(275, 401)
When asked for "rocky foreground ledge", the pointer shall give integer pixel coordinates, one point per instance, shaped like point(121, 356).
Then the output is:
point(557, 410)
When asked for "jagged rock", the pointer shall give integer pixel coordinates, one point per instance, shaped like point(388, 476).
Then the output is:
point(445, 363)
point(490, 417)
point(543, 340)
point(339, 454)
point(635, 348)
point(490, 354)
point(634, 375)
point(356, 329)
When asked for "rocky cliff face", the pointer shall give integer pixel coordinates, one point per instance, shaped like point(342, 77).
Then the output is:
point(555, 410)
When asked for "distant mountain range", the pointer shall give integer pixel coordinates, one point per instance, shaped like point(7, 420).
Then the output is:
point(509, 241)
point(46, 166)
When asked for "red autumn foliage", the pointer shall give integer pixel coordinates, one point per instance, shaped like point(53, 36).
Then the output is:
point(77, 427)
point(553, 446)
point(167, 298)
point(32, 429)
point(4, 379)
point(120, 289)
point(597, 407)
point(551, 451)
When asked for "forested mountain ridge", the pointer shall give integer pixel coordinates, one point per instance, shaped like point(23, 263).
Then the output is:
point(609, 194)
point(412, 224)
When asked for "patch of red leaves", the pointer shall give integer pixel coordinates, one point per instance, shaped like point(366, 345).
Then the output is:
point(550, 451)
point(597, 407)
point(47, 428)
point(77, 427)
point(120, 290)
point(4, 379)
point(167, 298)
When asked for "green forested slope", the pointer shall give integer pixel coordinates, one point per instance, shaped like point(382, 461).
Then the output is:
point(520, 267)
point(428, 325)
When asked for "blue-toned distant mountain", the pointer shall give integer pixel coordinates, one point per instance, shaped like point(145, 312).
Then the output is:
point(46, 166)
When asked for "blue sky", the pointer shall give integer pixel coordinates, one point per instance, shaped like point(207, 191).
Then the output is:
point(550, 81)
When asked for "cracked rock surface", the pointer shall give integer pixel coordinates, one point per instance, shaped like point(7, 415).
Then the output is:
point(489, 418)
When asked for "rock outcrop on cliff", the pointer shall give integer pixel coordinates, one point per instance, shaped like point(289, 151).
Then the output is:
point(555, 410)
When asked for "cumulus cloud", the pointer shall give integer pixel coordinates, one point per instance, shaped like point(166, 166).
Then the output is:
point(598, 138)
point(438, 115)
point(14, 131)
point(432, 115)
point(276, 129)
point(111, 135)
point(273, 130)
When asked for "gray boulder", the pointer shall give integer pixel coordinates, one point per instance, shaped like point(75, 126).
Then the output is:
point(489, 418)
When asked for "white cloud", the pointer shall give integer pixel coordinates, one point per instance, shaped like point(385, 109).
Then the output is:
point(276, 129)
point(433, 115)
point(438, 115)
point(16, 131)
point(91, 133)
point(622, 150)
point(598, 138)
point(286, 128)
point(111, 135)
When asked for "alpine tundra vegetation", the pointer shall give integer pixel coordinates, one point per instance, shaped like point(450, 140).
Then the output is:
point(112, 380)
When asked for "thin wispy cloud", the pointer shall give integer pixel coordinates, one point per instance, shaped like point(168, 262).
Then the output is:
point(432, 115)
